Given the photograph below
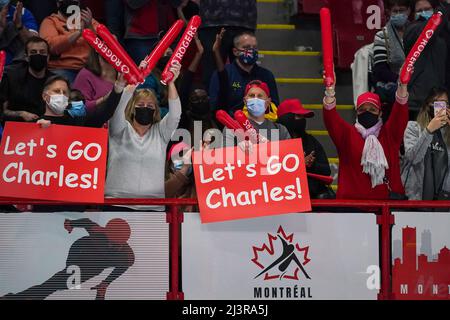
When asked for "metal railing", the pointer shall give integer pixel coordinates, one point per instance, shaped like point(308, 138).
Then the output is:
point(383, 210)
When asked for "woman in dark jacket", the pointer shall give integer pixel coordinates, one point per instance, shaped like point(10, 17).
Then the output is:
point(293, 116)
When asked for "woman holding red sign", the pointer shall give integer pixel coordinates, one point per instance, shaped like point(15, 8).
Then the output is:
point(138, 142)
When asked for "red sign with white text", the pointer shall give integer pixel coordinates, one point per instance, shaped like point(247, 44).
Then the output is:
point(59, 163)
point(270, 180)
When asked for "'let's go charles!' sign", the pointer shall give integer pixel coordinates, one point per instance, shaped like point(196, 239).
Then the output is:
point(270, 180)
point(59, 163)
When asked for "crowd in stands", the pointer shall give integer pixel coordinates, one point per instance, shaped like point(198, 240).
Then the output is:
point(54, 77)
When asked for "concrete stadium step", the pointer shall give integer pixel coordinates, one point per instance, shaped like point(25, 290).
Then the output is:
point(312, 93)
point(286, 37)
point(292, 64)
point(311, 90)
point(272, 12)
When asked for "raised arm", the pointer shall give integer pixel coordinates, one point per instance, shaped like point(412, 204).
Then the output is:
point(217, 51)
point(398, 119)
point(188, 75)
point(87, 224)
point(118, 121)
point(169, 124)
point(337, 127)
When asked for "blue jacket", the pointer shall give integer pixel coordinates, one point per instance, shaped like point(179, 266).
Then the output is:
point(227, 90)
point(28, 22)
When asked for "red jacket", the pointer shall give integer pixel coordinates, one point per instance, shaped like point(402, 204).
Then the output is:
point(144, 19)
point(352, 182)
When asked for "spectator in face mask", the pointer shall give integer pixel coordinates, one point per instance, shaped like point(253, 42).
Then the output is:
point(179, 175)
point(56, 95)
point(197, 113)
point(427, 144)
point(77, 104)
point(257, 100)
point(68, 48)
point(237, 16)
point(369, 165)
point(292, 115)
point(22, 84)
point(138, 144)
point(228, 83)
point(194, 98)
point(95, 81)
point(17, 25)
point(389, 53)
point(430, 69)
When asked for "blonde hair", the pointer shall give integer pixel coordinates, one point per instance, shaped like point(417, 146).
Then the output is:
point(142, 94)
point(424, 117)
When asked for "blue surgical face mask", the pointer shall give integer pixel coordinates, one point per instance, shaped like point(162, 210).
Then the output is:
point(77, 110)
point(178, 164)
point(248, 56)
point(399, 20)
point(3, 3)
point(256, 107)
point(426, 15)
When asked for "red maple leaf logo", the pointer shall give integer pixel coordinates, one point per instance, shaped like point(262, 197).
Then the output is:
point(287, 254)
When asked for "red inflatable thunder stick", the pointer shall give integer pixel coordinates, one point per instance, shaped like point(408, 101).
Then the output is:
point(327, 46)
point(419, 46)
point(110, 56)
point(325, 179)
point(181, 48)
point(119, 51)
point(242, 119)
point(2, 63)
point(158, 52)
point(225, 119)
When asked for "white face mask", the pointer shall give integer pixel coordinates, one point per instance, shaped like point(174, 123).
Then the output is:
point(58, 103)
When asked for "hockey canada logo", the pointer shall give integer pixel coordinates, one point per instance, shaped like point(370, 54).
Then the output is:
point(281, 257)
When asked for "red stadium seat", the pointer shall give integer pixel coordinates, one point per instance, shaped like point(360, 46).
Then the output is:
point(311, 6)
point(351, 31)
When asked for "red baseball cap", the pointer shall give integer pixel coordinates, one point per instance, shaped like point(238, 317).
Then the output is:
point(293, 106)
point(259, 84)
point(369, 97)
point(176, 149)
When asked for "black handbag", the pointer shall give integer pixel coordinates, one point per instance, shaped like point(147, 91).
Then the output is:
point(328, 193)
point(443, 195)
point(394, 195)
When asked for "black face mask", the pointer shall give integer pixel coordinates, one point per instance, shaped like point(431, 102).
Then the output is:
point(296, 127)
point(144, 116)
point(38, 62)
point(65, 4)
point(163, 62)
point(201, 107)
point(367, 119)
